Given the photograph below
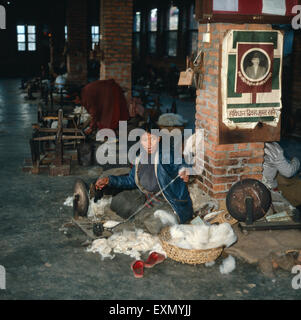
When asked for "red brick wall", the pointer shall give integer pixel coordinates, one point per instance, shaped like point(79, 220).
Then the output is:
point(116, 18)
point(224, 164)
point(76, 16)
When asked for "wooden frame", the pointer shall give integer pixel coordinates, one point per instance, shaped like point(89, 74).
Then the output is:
point(204, 14)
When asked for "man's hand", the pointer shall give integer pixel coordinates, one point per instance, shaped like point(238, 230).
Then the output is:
point(184, 175)
point(101, 183)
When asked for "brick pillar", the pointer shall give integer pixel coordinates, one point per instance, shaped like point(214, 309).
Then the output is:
point(76, 17)
point(224, 164)
point(117, 27)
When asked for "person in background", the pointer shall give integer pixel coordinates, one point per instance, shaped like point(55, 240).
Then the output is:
point(104, 100)
point(60, 81)
point(274, 162)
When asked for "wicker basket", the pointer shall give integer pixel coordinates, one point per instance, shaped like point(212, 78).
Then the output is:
point(189, 256)
point(222, 218)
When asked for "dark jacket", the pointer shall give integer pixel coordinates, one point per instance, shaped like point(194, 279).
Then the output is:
point(176, 194)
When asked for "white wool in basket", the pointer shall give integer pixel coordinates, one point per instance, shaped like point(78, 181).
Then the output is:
point(166, 218)
point(228, 265)
point(221, 234)
point(131, 243)
point(171, 119)
point(202, 236)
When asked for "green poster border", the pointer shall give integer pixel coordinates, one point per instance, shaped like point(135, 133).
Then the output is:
point(255, 36)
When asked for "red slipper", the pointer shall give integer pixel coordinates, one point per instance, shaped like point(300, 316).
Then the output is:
point(153, 259)
point(137, 267)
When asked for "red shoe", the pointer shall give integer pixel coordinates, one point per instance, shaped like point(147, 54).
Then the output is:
point(153, 259)
point(137, 267)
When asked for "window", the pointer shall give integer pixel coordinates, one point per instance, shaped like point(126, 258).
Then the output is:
point(173, 18)
point(153, 23)
point(31, 35)
point(137, 22)
point(66, 33)
point(193, 31)
point(95, 35)
point(26, 38)
point(3, 17)
point(153, 20)
point(136, 33)
point(172, 33)
point(21, 38)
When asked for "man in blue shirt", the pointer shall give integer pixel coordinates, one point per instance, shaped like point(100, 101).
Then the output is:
point(149, 178)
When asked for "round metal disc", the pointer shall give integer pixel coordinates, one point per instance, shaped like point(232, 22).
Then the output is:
point(81, 199)
point(236, 199)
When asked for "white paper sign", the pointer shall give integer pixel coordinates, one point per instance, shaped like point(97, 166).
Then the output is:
point(225, 5)
point(277, 7)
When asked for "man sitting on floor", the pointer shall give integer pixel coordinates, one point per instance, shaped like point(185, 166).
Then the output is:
point(149, 179)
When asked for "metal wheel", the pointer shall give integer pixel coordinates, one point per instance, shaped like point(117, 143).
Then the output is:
point(248, 188)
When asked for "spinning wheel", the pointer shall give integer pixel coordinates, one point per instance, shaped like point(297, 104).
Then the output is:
point(249, 200)
point(248, 194)
point(80, 199)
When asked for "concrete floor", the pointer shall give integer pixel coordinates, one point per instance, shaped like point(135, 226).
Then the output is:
point(43, 263)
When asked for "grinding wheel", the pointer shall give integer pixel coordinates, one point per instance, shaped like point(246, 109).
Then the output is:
point(248, 188)
point(80, 199)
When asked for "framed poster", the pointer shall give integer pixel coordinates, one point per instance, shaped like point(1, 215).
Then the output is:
point(245, 11)
point(250, 97)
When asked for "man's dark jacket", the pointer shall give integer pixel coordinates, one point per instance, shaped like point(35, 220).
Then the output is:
point(176, 194)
